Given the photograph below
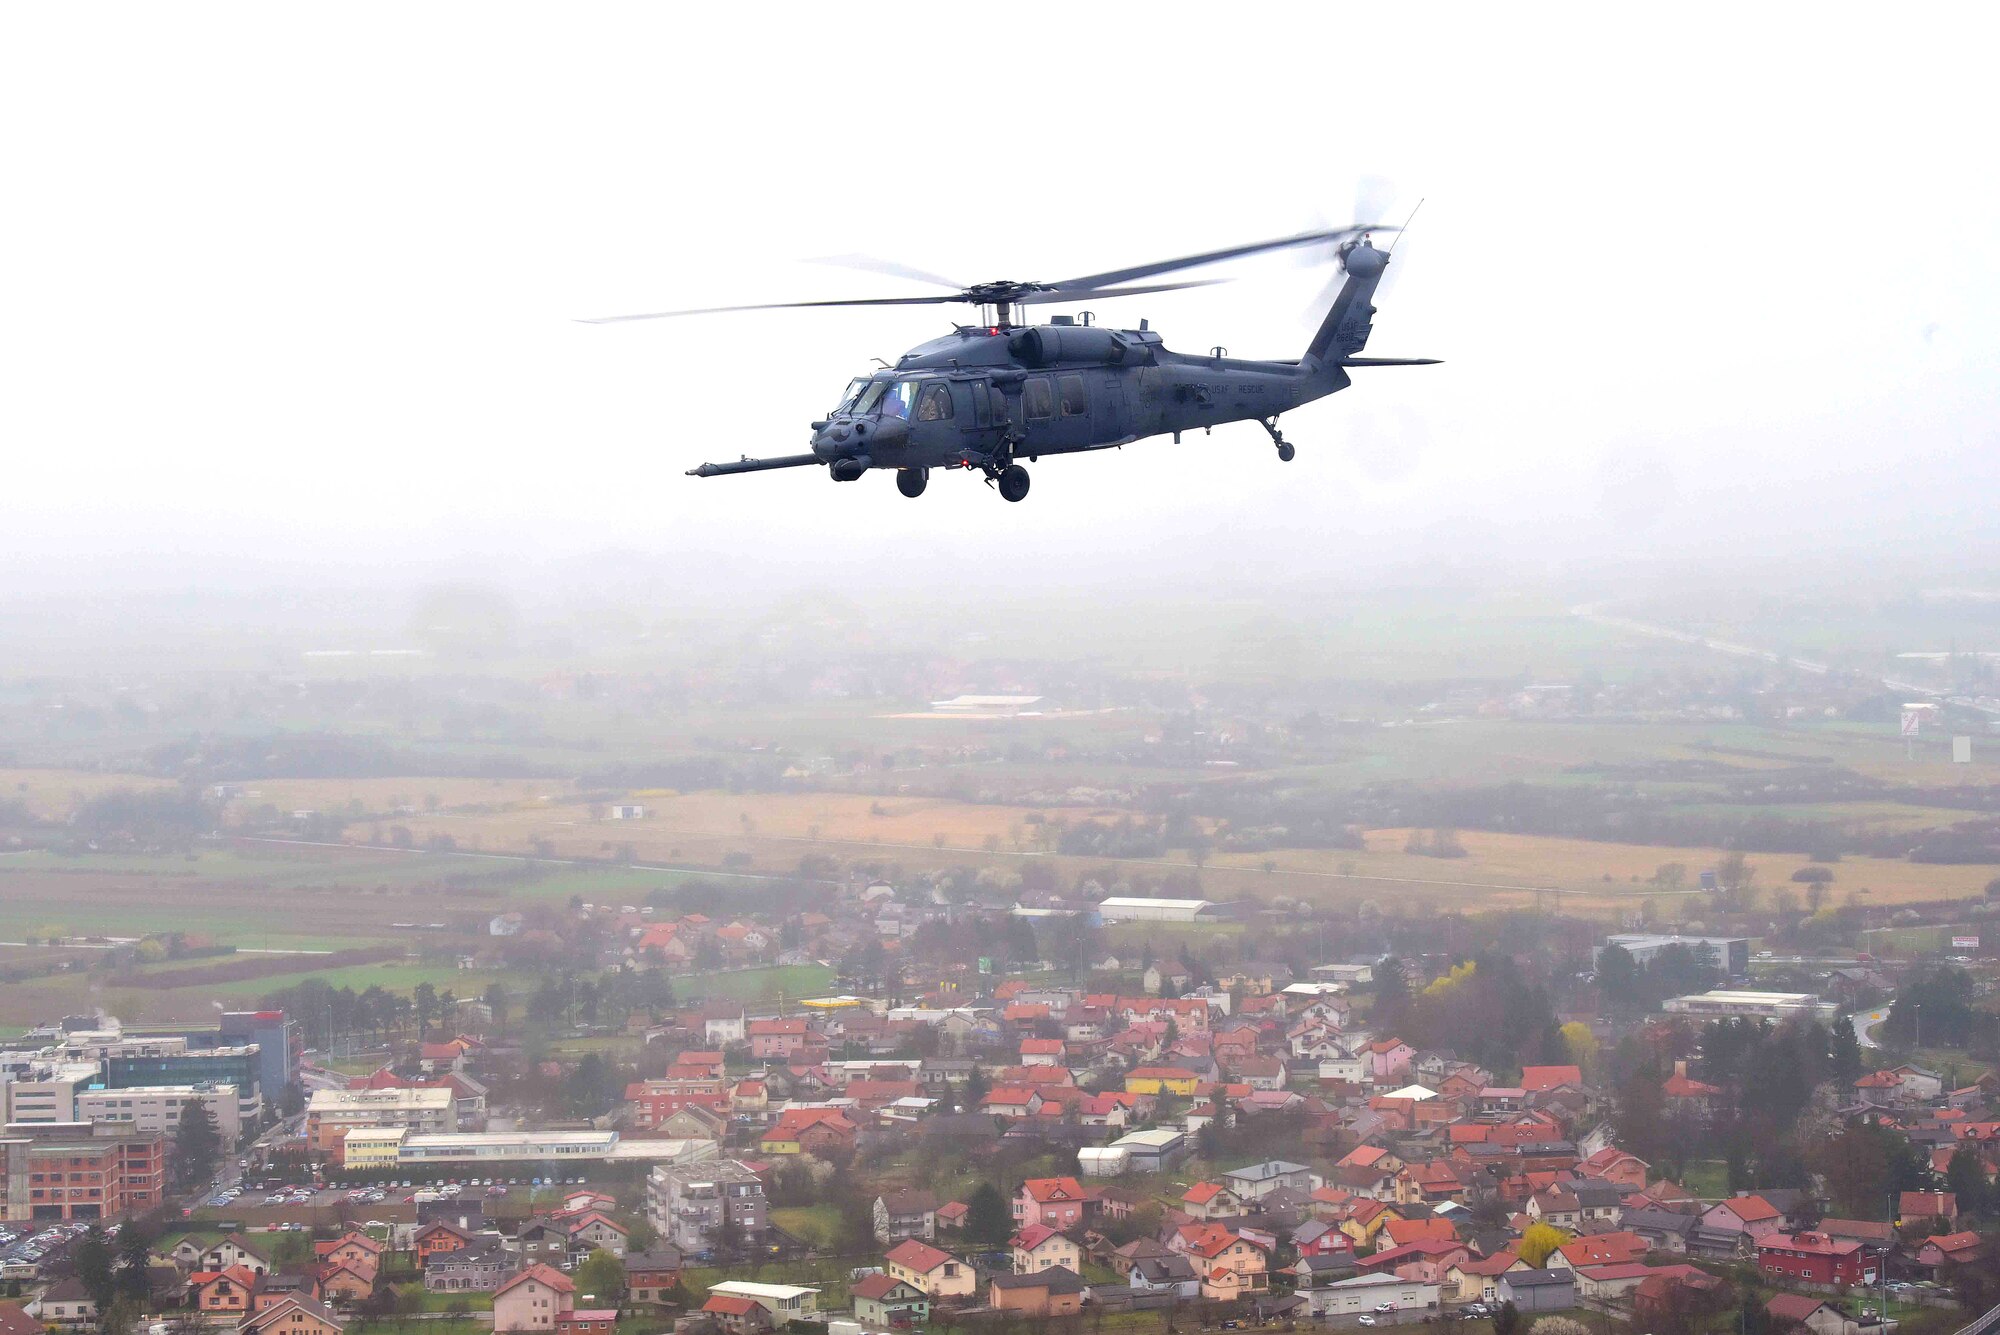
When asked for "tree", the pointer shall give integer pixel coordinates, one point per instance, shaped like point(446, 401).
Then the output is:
point(1581, 1043)
point(135, 1248)
point(1559, 1325)
point(1965, 1178)
point(93, 1262)
point(1507, 1321)
point(1735, 881)
point(1538, 1244)
point(1392, 992)
point(987, 1218)
point(1863, 1163)
point(977, 1087)
point(498, 1000)
point(425, 998)
point(197, 1144)
point(601, 1275)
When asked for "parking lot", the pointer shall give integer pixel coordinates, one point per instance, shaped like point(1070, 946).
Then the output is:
point(35, 1243)
point(334, 1193)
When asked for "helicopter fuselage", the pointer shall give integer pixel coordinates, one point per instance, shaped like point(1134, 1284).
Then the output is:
point(1061, 388)
point(987, 396)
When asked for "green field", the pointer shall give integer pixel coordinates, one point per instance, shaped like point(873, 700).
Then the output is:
point(790, 981)
point(818, 1225)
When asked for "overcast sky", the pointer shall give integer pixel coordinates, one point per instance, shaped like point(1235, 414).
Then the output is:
point(290, 291)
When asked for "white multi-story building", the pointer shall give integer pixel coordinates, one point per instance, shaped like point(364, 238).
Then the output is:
point(332, 1113)
point(688, 1203)
point(1752, 1005)
point(47, 1091)
point(159, 1108)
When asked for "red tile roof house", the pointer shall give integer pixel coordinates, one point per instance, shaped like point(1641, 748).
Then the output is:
point(1211, 1200)
point(587, 1321)
point(1615, 1165)
point(1599, 1249)
point(1948, 1249)
point(1916, 1207)
point(1058, 1202)
point(532, 1300)
point(777, 1038)
point(1795, 1309)
point(1813, 1258)
point(1750, 1217)
point(738, 1316)
point(1548, 1079)
point(1424, 1260)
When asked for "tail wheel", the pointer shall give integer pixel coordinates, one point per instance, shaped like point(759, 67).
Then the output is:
point(912, 481)
point(1013, 482)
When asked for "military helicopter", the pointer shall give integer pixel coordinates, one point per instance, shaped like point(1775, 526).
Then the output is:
point(988, 395)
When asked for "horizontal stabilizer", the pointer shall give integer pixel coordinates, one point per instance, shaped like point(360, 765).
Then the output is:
point(1390, 361)
point(748, 465)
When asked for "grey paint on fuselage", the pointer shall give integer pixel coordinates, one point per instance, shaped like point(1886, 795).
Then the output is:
point(1132, 387)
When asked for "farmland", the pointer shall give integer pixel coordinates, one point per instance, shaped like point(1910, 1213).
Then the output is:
point(1266, 751)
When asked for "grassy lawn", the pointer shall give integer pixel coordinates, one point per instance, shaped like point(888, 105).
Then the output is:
point(1707, 1178)
point(827, 1274)
point(816, 1224)
point(442, 1302)
point(791, 981)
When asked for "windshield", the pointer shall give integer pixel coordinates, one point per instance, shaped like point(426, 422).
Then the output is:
point(850, 394)
point(891, 398)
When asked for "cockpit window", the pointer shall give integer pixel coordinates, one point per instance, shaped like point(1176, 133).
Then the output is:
point(896, 403)
point(853, 392)
point(935, 405)
point(891, 398)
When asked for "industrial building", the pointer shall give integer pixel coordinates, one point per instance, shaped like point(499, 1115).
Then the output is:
point(1138, 908)
point(333, 1113)
point(1730, 953)
point(388, 1147)
point(1153, 1150)
point(1724, 1002)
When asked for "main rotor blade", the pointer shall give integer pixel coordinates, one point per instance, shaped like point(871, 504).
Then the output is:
point(1079, 293)
point(779, 306)
point(1216, 256)
point(888, 268)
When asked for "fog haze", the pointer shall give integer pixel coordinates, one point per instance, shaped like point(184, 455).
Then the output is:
point(292, 295)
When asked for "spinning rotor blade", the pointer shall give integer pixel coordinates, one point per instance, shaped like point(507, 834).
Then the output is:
point(1115, 276)
point(888, 268)
point(1077, 294)
point(779, 306)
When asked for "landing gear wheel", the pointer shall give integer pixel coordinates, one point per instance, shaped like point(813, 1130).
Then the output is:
point(912, 481)
point(1285, 450)
point(1013, 482)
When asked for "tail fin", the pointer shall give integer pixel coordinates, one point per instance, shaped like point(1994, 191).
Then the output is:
point(1345, 330)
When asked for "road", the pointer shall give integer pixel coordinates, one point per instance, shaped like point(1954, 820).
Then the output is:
point(1864, 1026)
point(1591, 612)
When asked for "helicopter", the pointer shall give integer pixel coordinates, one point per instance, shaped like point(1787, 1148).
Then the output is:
point(988, 395)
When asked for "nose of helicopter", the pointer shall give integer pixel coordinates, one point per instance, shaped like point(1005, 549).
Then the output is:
point(847, 437)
